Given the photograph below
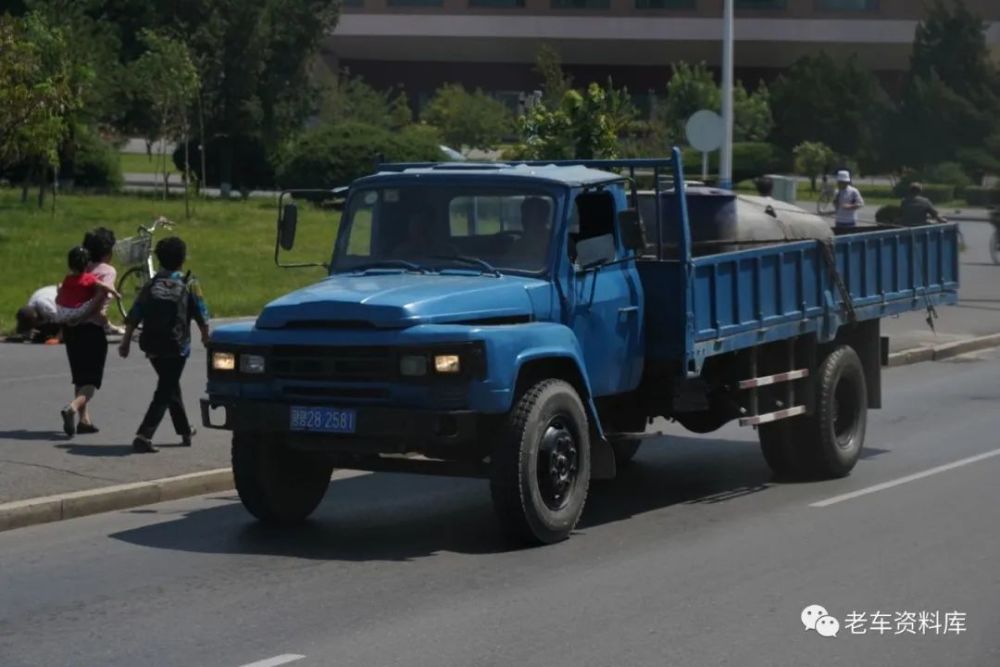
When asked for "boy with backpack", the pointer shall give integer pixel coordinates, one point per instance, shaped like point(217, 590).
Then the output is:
point(165, 307)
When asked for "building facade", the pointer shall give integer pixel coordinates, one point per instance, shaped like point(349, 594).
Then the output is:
point(492, 44)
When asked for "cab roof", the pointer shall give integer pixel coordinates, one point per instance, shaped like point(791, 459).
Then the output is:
point(568, 175)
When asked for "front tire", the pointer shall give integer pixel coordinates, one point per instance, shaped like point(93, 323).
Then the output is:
point(276, 484)
point(541, 466)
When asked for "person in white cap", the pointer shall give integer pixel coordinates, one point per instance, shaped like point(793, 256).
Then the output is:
point(848, 201)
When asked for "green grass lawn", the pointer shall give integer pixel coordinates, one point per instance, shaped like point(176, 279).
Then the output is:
point(230, 245)
point(140, 163)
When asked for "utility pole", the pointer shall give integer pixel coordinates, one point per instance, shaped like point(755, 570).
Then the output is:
point(726, 159)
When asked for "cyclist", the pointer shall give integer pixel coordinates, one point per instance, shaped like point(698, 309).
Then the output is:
point(916, 209)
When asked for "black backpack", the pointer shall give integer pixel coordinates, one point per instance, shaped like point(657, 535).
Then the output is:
point(166, 327)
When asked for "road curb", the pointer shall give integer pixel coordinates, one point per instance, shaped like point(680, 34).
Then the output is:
point(34, 511)
point(944, 351)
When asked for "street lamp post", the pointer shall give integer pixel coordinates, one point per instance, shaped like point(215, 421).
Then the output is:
point(726, 159)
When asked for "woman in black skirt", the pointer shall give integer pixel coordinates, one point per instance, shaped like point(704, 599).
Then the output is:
point(86, 341)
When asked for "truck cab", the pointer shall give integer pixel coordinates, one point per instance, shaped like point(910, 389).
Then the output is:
point(453, 292)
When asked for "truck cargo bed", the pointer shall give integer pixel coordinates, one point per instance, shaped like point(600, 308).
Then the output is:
point(720, 303)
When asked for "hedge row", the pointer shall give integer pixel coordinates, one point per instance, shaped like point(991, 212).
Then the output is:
point(978, 196)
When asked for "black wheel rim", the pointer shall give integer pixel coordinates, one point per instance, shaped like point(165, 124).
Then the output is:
point(846, 412)
point(558, 463)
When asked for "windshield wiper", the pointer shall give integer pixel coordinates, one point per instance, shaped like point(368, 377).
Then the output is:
point(481, 263)
point(389, 264)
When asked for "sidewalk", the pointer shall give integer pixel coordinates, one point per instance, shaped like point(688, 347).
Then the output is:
point(36, 459)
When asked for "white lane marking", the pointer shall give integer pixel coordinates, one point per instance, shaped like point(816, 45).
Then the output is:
point(903, 480)
point(283, 659)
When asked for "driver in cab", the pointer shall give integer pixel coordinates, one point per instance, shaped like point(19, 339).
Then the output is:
point(531, 246)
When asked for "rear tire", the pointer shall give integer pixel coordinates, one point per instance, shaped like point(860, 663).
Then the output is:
point(540, 469)
point(129, 286)
point(828, 443)
point(276, 484)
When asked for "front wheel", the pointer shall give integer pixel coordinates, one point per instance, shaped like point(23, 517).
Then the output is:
point(276, 484)
point(129, 286)
point(540, 469)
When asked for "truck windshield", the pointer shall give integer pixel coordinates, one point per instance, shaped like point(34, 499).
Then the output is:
point(445, 228)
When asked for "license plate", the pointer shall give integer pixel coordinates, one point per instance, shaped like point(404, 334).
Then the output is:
point(322, 420)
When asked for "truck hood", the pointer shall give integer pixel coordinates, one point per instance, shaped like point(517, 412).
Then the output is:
point(401, 300)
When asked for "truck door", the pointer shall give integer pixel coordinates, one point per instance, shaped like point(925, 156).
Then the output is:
point(606, 309)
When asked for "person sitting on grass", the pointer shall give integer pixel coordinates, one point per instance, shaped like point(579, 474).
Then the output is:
point(165, 307)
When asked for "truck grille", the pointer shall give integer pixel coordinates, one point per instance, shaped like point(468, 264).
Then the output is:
point(354, 364)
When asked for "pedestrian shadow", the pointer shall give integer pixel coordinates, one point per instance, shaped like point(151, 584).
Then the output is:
point(23, 434)
point(400, 518)
point(96, 450)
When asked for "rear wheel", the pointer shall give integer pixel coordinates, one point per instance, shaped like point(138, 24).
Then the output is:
point(129, 286)
point(541, 466)
point(276, 484)
point(828, 443)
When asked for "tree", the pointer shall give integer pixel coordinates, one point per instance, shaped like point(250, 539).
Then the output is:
point(752, 119)
point(690, 89)
point(36, 95)
point(555, 83)
point(253, 58)
point(467, 120)
point(166, 78)
point(812, 159)
point(585, 125)
point(351, 99)
point(693, 88)
point(840, 104)
point(952, 93)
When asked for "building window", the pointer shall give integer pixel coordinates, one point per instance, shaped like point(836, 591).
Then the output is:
point(496, 3)
point(665, 4)
point(761, 4)
point(848, 5)
point(581, 4)
point(415, 3)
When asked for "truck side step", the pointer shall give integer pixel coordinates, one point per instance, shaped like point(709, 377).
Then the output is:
point(774, 379)
point(773, 416)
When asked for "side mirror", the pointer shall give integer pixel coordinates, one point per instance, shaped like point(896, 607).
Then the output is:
point(287, 221)
point(632, 231)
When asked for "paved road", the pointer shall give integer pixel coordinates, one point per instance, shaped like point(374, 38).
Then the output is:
point(694, 557)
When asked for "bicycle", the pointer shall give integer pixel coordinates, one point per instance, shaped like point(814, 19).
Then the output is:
point(826, 204)
point(136, 253)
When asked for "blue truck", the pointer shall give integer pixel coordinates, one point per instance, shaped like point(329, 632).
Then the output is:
point(525, 324)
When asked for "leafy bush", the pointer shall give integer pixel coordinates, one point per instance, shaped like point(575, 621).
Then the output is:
point(251, 168)
point(978, 196)
point(950, 173)
point(749, 161)
point(465, 119)
point(95, 163)
point(334, 155)
point(889, 215)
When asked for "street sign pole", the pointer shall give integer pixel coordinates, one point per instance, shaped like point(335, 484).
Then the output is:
point(726, 159)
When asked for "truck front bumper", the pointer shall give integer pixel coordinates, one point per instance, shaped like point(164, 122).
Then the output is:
point(379, 428)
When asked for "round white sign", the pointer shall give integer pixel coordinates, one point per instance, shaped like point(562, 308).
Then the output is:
point(705, 131)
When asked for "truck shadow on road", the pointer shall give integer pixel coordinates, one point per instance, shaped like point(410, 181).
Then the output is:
point(392, 517)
